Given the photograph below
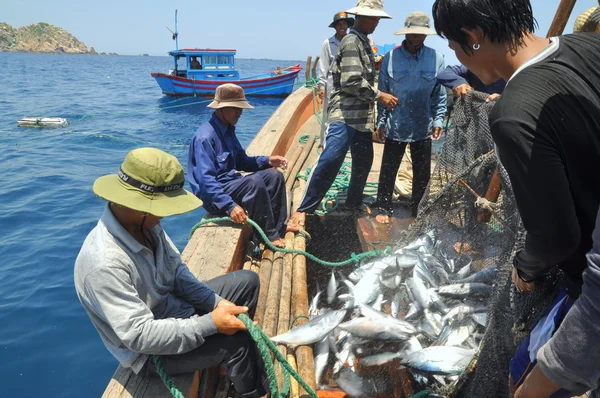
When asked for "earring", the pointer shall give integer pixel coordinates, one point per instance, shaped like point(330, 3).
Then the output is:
point(476, 46)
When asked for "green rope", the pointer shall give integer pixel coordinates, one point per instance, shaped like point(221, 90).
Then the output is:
point(265, 345)
point(339, 188)
point(354, 258)
point(296, 318)
point(304, 139)
point(421, 394)
point(165, 377)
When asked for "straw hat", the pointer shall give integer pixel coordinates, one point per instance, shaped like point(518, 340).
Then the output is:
point(342, 16)
point(230, 95)
point(417, 23)
point(150, 181)
point(369, 8)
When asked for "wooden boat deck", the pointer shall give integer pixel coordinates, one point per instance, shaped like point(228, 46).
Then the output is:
point(217, 249)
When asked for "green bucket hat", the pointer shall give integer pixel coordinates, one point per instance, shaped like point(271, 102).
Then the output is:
point(150, 181)
point(342, 16)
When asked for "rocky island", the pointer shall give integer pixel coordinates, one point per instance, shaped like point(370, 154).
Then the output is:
point(41, 38)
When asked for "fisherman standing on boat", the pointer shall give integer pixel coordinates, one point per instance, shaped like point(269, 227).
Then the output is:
point(143, 300)
point(546, 127)
point(341, 23)
point(351, 114)
point(215, 159)
point(409, 73)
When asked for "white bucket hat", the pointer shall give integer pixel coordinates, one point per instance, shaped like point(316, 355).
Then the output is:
point(417, 23)
point(369, 8)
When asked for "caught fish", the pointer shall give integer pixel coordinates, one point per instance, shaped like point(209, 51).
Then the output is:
point(379, 328)
point(313, 309)
point(440, 359)
point(464, 290)
point(459, 312)
point(481, 318)
point(321, 352)
point(312, 331)
point(356, 386)
point(395, 304)
point(488, 275)
point(379, 359)
point(332, 288)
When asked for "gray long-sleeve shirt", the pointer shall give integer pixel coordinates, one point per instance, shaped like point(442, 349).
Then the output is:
point(141, 303)
point(571, 358)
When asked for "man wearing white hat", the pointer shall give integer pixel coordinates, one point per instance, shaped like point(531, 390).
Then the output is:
point(215, 159)
point(351, 113)
point(409, 73)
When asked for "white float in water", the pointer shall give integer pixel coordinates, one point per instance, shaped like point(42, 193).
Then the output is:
point(43, 122)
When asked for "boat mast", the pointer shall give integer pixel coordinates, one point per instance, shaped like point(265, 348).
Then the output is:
point(176, 33)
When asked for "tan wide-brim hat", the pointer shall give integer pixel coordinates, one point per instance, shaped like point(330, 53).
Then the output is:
point(369, 8)
point(150, 181)
point(417, 23)
point(230, 95)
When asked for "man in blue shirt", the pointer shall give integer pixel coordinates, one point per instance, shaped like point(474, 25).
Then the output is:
point(461, 80)
point(409, 73)
point(215, 159)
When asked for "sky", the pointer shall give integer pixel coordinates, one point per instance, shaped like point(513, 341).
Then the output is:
point(281, 30)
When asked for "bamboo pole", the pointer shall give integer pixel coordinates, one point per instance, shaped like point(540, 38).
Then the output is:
point(565, 8)
point(294, 386)
point(283, 323)
point(307, 71)
point(266, 266)
point(304, 354)
point(314, 67)
point(272, 306)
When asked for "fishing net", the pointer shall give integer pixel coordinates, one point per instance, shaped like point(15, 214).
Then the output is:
point(464, 169)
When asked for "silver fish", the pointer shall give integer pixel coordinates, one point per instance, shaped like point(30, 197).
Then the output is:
point(395, 304)
point(487, 275)
point(464, 290)
point(481, 318)
point(379, 359)
point(312, 331)
point(459, 312)
point(356, 386)
point(331, 288)
point(313, 309)
point(321, 357)
point(379, 328)
point(440, 359)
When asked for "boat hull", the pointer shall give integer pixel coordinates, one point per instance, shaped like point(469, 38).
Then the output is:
point(272, 85)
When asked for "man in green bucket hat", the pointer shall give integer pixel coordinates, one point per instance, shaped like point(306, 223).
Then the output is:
point(143, 300)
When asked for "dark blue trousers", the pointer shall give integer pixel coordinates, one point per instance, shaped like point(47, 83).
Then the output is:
point(340, 137)
point(245, 367)
point(262, 195)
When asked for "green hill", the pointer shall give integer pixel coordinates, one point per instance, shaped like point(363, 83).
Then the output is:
point(40, 38)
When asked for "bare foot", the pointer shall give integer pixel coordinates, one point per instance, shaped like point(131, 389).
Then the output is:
point(382, 218)
point(298, 219)
point(279, 243)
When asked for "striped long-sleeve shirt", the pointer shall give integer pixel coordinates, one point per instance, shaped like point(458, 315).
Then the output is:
point(352, 100)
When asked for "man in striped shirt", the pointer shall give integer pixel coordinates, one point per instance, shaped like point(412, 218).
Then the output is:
point(351, 113)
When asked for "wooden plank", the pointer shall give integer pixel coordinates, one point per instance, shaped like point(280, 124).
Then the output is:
point(283, 322)
point(271, 316)
point(304, 354)
point(264, 275)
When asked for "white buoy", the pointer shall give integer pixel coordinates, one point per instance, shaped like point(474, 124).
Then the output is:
point(42, 122)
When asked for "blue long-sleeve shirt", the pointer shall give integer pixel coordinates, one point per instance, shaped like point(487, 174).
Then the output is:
point(215, 158)
point(455, 75)
point(422, 100)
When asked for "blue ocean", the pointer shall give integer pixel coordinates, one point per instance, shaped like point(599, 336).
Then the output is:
point(48, 346)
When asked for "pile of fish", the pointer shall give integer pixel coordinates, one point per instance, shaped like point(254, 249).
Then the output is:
point(418, 308)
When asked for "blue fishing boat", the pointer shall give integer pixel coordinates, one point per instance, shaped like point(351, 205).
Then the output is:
point(200, 71)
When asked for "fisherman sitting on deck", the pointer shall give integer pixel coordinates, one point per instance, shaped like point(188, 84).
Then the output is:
point(351, 114)
point(409, 72)
point(216, 156)
point(546, 128)
point(143, 300)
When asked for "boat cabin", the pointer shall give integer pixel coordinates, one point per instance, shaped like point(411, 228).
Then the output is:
point(204, 64)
